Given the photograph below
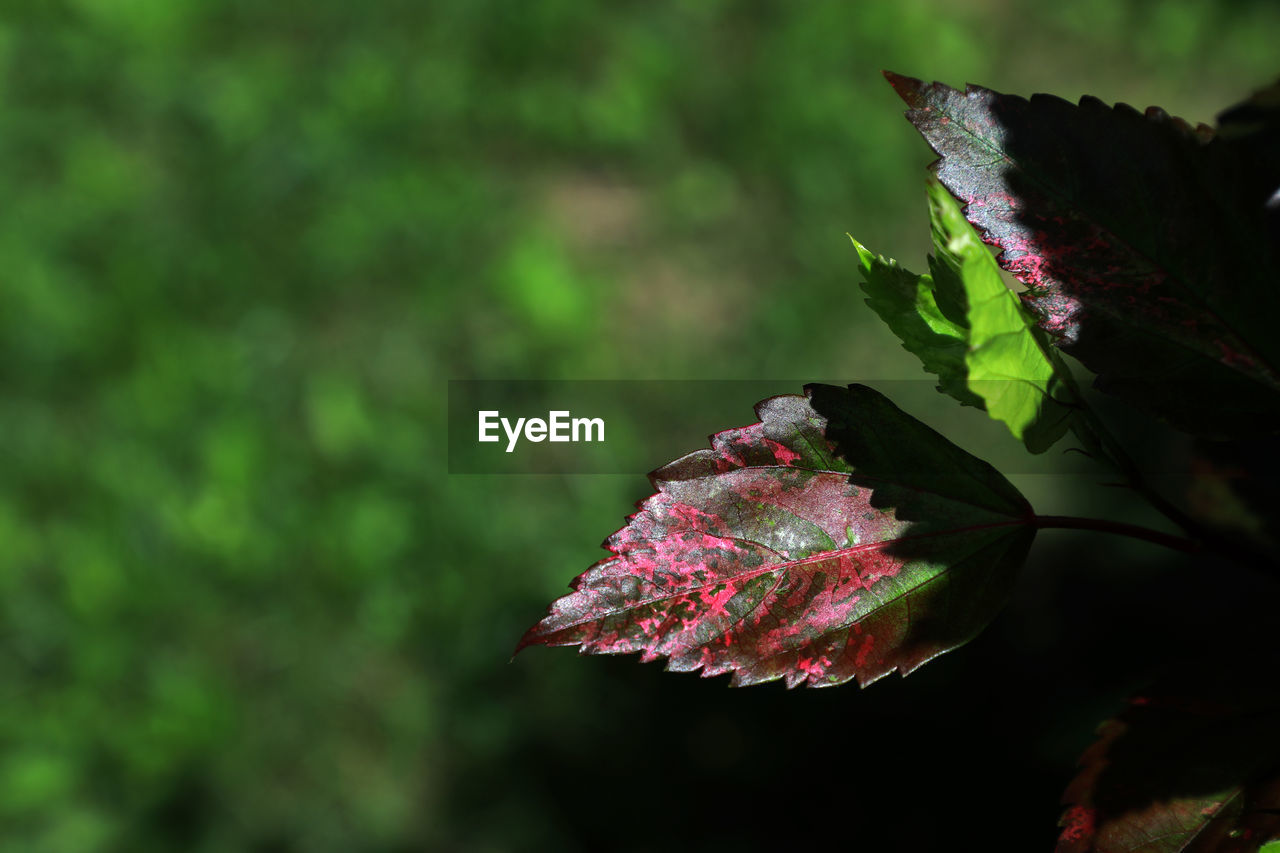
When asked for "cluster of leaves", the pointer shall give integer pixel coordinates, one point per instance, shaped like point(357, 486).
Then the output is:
point(841, 539)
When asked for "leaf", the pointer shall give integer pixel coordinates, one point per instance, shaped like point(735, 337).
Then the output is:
point(1254, 124)
point(1234, 488)
point(1194, 771)
point(908, 303)
point(1256, 117)
point(967, 328)
point(838, 538)
point(1144, 243)
point(1251, 130)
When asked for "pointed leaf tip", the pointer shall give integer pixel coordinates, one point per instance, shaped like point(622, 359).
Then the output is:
point(865, 255)
point(908, 88)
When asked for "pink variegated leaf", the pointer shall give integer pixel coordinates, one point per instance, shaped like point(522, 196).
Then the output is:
point(1149, 247)
point(838, 538)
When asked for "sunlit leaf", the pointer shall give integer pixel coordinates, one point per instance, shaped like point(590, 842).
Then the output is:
point(839, 538)
point(967, 328)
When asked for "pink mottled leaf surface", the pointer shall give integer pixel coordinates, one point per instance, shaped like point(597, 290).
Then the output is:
point(1148, 245)
point(837, 539)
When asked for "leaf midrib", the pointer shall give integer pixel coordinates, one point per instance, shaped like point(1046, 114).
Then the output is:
point(788, 565)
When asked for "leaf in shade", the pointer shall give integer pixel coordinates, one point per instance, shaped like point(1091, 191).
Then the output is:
point(967, 328)
point(1195, 771)
point(839, 538)
point(1234, 488)
point(1259, 115)
point(1144, 243)
point(1251, 130)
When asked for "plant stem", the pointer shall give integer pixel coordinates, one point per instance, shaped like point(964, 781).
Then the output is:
point(1067, 522)
point(1114, 452)
point(1091, 431)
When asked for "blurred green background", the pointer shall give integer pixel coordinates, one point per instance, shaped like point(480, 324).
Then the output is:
point(245, 245)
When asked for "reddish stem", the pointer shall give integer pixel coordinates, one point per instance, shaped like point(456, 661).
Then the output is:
point(1067, 522)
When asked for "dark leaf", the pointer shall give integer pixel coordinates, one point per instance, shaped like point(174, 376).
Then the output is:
point(1234, 488)
point(1195, 770)
point(1251, 130)
point(838, 538)
point(1259, 116)
point(1144, 242)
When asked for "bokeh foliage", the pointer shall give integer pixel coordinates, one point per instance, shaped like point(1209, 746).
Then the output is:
point(245, 244)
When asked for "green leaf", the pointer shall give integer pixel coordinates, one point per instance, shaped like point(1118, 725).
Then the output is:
point(970, 330)
point(909, 304)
